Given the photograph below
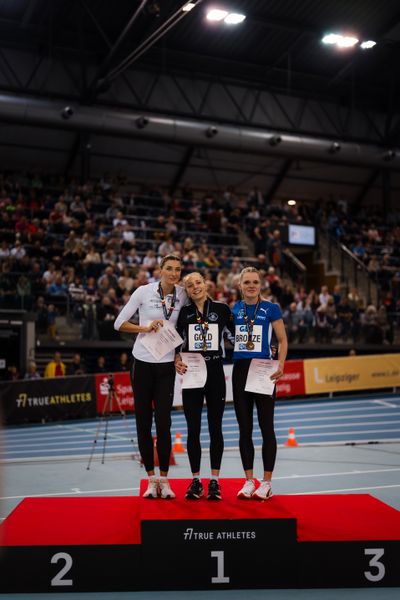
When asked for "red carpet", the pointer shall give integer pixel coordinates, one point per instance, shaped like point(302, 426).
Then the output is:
point(329, 517)
point(342, 517)
point(73, 521)
point(229, 508)
point(116, 520)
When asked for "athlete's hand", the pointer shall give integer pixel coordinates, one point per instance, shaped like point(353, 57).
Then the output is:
point(278, 374)
point(180, 366)
point(154, 325)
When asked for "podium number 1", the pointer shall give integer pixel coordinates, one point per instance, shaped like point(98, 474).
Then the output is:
point(58, 579)
point(378, 566)
point(220, 578)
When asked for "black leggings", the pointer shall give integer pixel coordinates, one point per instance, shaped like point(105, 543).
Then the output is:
point(153, 382)
point(214, 392)
point(244, 404)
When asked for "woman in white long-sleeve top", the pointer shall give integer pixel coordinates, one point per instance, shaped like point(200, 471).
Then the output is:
point(153, 381)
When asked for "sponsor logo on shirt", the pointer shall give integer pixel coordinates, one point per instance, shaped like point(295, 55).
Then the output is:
point(213, 316)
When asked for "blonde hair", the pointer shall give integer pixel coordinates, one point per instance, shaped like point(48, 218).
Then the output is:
point(249, 270)
point(185, 279)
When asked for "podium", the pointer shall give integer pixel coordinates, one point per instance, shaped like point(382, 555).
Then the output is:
point(129, 543)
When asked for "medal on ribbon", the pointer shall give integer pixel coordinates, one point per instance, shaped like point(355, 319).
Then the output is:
point(202, 320)
point(167, 313)
point(249, 325)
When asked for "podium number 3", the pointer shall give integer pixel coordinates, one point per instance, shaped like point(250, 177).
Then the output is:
point(378, 566)
point(58, 579)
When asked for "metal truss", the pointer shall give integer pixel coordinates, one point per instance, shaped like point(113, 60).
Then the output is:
point(79, 77)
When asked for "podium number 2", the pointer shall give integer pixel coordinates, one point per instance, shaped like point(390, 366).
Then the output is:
point(377, 565)
point(58, 579)
point(220, 578)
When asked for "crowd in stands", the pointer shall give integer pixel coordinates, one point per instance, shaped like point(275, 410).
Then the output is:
point(372, 239)
point(59, 367)
point(81, 250)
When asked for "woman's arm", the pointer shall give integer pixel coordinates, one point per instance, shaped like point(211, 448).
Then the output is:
point(122, 323)
point(280, 332)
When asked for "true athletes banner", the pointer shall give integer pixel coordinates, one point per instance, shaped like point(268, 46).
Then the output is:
point(48, 399)
point(352, 373)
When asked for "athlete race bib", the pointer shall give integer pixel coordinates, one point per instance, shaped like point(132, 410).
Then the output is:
point(242, 336)
point(195, 338)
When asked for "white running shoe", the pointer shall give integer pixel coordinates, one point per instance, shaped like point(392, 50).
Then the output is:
point(165, 490)
point(152, 488)
point(264, 491)
point(247, 490)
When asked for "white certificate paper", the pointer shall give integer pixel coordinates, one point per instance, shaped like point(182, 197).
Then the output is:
point(258, 378)
point(196, 374)
point(162, 341)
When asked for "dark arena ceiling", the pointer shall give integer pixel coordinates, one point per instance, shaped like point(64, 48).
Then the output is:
point(270, 75)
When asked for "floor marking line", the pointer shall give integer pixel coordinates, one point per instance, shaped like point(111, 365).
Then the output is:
point(371, 487)
point(384, 403)
point(48, 495)
point(355, 472)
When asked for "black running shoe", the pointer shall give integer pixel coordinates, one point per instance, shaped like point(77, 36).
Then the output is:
point(195, 490)
point(214, 490)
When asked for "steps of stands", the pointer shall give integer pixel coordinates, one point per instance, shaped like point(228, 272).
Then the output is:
point(349, 275)
point(68, 330)
point(246, 243)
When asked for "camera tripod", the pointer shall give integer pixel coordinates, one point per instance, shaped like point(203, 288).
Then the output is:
point(104, 424)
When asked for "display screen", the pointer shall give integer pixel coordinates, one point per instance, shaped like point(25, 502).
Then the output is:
point(302, 235)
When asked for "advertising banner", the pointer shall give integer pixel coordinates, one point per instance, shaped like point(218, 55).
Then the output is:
point(48, 399)
point(292, 382)
point(121, 395)
point(352, 373)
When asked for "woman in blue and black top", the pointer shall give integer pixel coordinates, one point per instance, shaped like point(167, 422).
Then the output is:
point(254, 320)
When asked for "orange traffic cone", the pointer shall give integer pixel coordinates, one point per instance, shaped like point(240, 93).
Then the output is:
point(172, 460)
point(291, 441)
point(178, 446)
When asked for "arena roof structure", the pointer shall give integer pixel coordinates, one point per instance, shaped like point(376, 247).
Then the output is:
point(165, 96)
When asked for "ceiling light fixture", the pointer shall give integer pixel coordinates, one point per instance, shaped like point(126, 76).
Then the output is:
point(389, 155)
point(347, 41)
point(275, 140)
point(342, 41)
point(188, 7)
point(292, 202)
point(331, 38)
point(367, 45)
point(216, 14)
point(234, 19)
point(335, 147)
point(211, 132)
point(142, 122)
point(67, 112)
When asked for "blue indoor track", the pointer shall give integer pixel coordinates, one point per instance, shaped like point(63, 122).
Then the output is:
point(323, 422)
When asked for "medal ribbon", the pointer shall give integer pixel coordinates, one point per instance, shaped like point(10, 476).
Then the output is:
point(202, 320)
point(167, 313)
point(250, 323)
